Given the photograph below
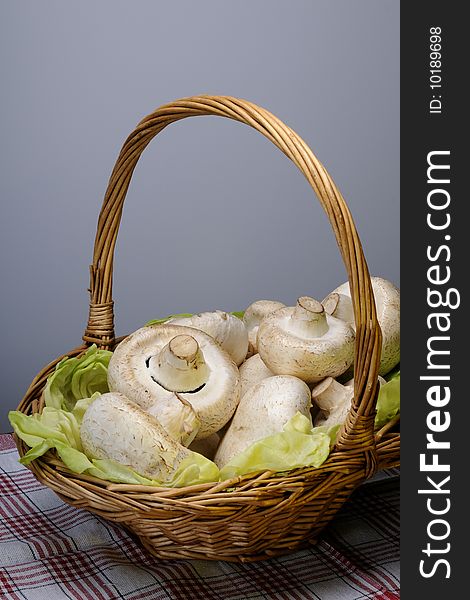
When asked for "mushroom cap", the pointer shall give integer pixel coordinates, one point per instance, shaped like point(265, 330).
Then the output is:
point(253, 316)
point(387, 302)
point(252, 371)
point(115, 428)
point(228, 330)
point(213, 403)
point(291, 343)
point(264, 410)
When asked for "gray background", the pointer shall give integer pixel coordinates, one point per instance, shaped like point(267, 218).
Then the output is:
point(216, 217)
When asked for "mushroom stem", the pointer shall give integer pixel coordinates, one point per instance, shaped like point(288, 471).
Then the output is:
point(309, 317)
point(180, 365)
point(341, 307)
point(329, 394)
point(334, 401)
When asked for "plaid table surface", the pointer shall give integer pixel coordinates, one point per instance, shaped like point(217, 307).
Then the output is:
point(50, 550)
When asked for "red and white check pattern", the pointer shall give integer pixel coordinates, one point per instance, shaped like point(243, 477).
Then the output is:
point(51, 551)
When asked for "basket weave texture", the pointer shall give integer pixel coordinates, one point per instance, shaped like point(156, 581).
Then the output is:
point(255, 516)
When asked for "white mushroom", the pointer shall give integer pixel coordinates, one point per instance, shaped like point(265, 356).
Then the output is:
point(387, 301)
point(305, 342)
point(334, 401)
point(178, 374)
point(264, 410)
point(115, 428)
point(252, 371)
point(252, 318)
point(228, 330)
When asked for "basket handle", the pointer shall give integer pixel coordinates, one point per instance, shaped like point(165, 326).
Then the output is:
point(358, 431)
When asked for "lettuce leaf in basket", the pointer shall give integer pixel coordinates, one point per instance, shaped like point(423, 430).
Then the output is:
point(193, 470)
point(298, 445)
point(52, 428)
point(388, 402)
point(77, 378)
point(60, 429)
point(51, 425)
point(238, 313)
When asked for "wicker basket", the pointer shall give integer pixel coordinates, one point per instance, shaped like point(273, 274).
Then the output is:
point(257, 516)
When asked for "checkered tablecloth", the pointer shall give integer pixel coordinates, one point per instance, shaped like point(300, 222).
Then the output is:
point(50, 551)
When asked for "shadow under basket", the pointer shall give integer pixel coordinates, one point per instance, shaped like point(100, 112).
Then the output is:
point(257, 516)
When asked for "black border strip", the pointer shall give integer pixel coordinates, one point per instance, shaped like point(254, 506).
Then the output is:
point(423, 132)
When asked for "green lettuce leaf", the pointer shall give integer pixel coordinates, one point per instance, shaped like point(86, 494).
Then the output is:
point(298, 445)
point(77, 378)
point(192, 470)
point(51, 425)
point(238, 313)
point(388, 402)
point(331, 432)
